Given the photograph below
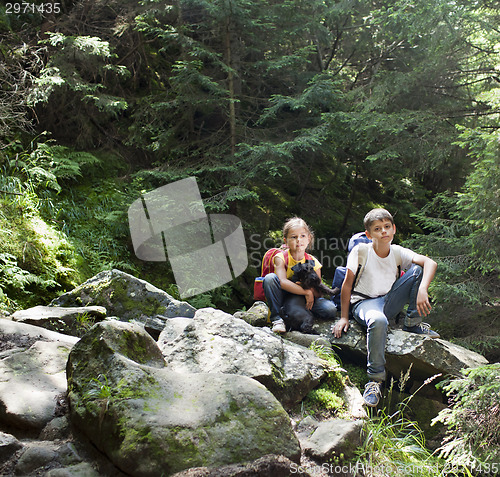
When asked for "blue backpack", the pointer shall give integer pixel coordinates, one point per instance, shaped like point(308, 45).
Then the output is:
point(338, 277)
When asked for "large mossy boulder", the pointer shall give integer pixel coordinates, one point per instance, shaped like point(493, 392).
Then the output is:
point(128, 298)
point(216, 342)
point(150, 420)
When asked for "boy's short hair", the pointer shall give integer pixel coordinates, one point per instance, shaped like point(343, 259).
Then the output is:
point(377, 214)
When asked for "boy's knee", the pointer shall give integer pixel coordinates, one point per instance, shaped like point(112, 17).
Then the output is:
point(377, 320)
point(415, 270)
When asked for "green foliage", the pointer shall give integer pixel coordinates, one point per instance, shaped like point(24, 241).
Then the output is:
point(36, 259)
point(478, 205)
point(326, 400)
point(47, 165)
point(392, 444)
point(465, 228)
point(98, 389)
point(56, 233)
point(473, 420)
point(70, 68)
point(320, 109)
point(17, 282)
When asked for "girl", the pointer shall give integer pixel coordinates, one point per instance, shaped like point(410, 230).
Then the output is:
point(286, 298)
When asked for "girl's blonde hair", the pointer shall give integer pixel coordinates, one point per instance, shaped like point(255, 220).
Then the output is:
point(294, 223)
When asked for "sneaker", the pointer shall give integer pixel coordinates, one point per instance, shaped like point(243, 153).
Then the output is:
point(279, 326)
point(373, 393)
point(421, 329)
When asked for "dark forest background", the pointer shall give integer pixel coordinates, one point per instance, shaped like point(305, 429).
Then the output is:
point(321, 109)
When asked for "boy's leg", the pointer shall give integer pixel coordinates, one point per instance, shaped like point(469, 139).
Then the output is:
point(370, 313)
point(404, 291)
point(324, 309)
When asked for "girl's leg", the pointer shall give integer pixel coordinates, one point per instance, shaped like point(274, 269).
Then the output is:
point(402, 292)
point(370, 313)
point(324, 309)
point(275, 295)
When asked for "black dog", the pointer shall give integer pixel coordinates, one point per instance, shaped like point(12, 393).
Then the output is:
point(295, 315)
point(309, 279)
point(293, 312)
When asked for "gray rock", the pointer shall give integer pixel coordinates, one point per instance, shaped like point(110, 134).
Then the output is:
point(56, 429)
point(306, 340)
point(353, 400)
point(173, 328)
point(68, 455)
point(22, 336)
point(31, 382)
point(151, 420)
point(266, 466)
point(427, 356)
point(70, 320)
point(79, 470)
point(216, 342)
point(9, 445)
point(332, 438)
point(127, 298)
point(35, 457)
point(256, 315)
point(430, 355)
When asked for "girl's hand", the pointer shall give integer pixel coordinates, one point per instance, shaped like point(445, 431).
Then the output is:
point(309, 299)
point(423, 304)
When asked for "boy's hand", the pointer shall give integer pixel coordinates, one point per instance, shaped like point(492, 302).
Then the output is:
point(309, 299)
point(341, 325)
point(423, 304)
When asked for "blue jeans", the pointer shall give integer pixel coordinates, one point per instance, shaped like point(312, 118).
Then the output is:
point(276, 298)
point(375, 313)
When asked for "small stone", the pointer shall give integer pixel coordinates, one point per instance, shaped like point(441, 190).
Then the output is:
point(57, 428)
point(79, 470)
point(9, 445)
point(333, 438)
point(34, 458)
point(256, 315)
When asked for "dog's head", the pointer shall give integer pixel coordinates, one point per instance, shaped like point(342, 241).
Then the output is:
point(302, 270)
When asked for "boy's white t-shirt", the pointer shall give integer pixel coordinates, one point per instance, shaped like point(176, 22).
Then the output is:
point(379, 273)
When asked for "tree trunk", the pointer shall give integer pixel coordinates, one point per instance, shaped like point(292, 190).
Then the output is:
point(230, 79)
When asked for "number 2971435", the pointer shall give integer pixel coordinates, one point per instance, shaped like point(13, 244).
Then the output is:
point(17, 8)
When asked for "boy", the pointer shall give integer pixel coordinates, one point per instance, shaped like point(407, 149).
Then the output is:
point(380, 295)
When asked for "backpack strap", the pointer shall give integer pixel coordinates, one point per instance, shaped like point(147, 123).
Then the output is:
point(399, 260)
point(271, 259)
point(285, 257)
point(362, 257)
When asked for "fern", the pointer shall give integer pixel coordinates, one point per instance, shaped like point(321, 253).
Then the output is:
point(473, 419)
point(47, 165)
point(14, 277)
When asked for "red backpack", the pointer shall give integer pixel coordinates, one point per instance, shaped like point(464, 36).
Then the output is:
point(268, 267)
